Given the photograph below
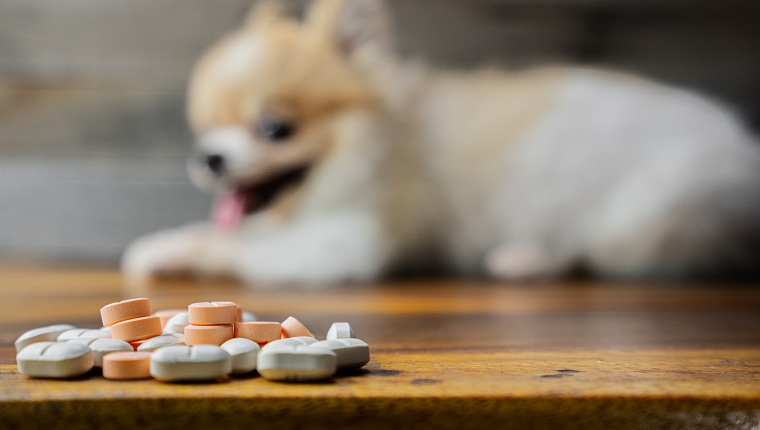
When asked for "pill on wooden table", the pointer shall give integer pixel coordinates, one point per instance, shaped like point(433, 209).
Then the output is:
point(101, 347)
point(190, 363)
point(126, 365)
point(106, 330)
point(124, 310)
point(244, 353)
point(291, 341)
point(166, 314)
point(291, 327)
point(352, 353)
point(48, 333)
point(287, 362)
point(212, 313)
point(176, 324)
point(54, 360)
point(258, 331)
point(340, 330)
point(137, 329)
point(208, 334)
point(152, 344)
point(82, 333)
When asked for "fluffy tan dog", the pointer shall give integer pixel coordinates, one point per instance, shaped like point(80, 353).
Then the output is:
point(336, 161)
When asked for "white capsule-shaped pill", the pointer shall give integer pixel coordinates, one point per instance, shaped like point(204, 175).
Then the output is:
point(43, 334)
point(101, 347)
point(288, 362)
point(292, 341)
point(249, 317)
point(177, 323)
point(340, 330)
point(190, 363)
point(54, 360)
point(352, 353)
point(154, 343)
point(83, 333)
point(244, 353)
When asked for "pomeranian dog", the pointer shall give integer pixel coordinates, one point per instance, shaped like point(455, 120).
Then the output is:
point(334, 161)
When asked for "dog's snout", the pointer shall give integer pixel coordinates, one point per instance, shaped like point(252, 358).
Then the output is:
point(214, 162)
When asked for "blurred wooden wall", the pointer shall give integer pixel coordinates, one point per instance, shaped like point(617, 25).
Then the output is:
point(92, 134)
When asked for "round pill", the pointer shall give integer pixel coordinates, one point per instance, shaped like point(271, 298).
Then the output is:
point(296, 363)
point(244, 353)
point(352, 353)
point(82, 333)
point(126, 365)
point(212, 313)
point(42, 334)
point(176, 324)
point(166, 314)
point(208, 334)
point(258, 331)
point(152, 344)
point(291, 327)
point(137, 329)
point(190, 363)
point(124, 310)
point(54, 360)
point(340, 330)
point(291, 341)
point(101, 347)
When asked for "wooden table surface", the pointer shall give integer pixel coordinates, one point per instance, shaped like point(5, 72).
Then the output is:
point(445, 354)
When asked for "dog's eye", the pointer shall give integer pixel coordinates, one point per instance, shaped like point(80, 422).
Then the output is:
point(274, 129)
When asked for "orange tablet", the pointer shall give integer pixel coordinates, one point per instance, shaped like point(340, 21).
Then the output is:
point(126, 365)
point(208, 334)
point(258, 331)
point(212, 313)
point(136, 329)
point(291, 327)
point(124, 310)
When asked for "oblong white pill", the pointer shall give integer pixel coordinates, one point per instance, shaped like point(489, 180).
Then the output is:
point(291, 341)
point(177, 323)
point(101, 347)
point(54, 360)
point(288, 362)
point(190, 363)
point(154, 343)
point(340, 330)
point(82, 333)
point(42, 334)
point(352, 353)
point(244, 353)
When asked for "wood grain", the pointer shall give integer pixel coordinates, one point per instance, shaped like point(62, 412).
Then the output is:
point(445, 354)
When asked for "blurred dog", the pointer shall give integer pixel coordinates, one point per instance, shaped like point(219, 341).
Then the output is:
point(336, 161)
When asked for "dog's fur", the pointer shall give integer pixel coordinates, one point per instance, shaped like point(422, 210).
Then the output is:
point(515, 175)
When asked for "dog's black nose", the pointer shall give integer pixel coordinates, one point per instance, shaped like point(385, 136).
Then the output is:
point(214, 162)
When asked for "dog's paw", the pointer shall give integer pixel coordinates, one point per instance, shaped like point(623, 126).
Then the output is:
point(166, 253)
point(520, 263)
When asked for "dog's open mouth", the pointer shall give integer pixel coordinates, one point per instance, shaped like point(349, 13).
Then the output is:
point(232, 206)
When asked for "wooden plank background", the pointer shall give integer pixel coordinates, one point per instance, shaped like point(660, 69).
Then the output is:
point(91, 92)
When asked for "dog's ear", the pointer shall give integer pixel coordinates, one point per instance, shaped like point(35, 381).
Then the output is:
point(264, 12)
point(359, 29)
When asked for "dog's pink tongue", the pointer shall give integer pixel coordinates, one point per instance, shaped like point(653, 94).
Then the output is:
point(228, 210)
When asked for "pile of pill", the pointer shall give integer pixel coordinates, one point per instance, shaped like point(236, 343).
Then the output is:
point(208, 341)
